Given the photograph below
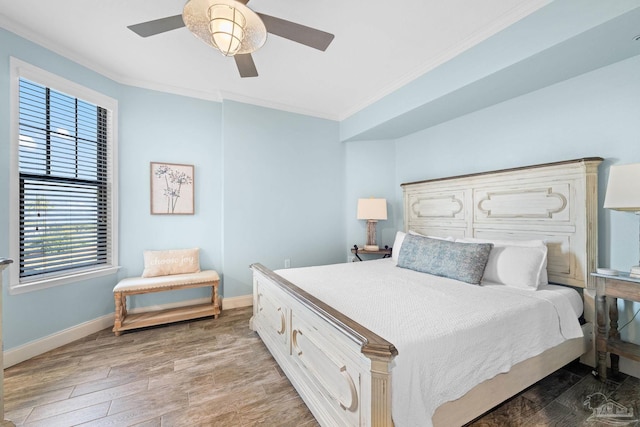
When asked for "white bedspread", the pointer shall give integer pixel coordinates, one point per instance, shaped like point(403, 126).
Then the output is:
point(450, 335)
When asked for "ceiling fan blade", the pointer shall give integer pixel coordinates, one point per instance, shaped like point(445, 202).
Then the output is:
point(246, 66)
point(296, 32)
point(157, 26)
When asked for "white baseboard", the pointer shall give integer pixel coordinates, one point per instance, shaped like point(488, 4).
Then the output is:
point(237, 302)
point(34, 348)
point(37, 347)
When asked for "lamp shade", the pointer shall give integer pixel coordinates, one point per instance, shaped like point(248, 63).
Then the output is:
point(372, 209)
point(623, 188)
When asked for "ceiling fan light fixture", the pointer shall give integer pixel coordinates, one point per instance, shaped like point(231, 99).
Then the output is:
point(227, 26)
point(235, 30)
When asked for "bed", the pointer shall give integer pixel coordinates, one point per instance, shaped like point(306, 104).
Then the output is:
point(355, 364)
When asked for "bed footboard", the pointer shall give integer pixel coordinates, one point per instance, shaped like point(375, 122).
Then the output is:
point(339, 368)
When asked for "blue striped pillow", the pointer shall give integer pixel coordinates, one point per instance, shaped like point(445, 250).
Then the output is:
point(460, 261)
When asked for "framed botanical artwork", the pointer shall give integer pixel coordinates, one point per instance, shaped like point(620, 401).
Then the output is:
point(172, 189)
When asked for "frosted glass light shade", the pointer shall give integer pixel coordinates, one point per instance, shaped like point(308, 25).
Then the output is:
point(372, 209)
point(227, 28)
point(623, 188)
point(196, 18)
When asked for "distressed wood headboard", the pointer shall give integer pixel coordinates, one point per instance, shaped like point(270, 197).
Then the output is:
point(555, 202)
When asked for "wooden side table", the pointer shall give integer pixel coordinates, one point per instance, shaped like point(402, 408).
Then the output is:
point(385, 252)
point(609, 289)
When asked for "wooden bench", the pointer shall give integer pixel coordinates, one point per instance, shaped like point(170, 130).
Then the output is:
point(145, 285)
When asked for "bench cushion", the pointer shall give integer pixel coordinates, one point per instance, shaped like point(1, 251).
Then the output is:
point(142, 283)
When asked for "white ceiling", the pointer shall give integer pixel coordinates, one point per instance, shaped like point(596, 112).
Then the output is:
point(379, 46)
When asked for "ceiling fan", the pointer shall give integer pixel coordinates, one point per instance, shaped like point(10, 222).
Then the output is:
point(234, 29)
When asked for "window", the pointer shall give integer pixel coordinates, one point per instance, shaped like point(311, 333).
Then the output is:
point(63, 209)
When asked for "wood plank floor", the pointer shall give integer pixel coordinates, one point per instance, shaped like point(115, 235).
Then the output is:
point(218, 373)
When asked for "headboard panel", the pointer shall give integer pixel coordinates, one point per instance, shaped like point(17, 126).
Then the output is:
point(556, 202)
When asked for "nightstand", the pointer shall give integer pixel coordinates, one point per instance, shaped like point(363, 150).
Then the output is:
point(385, 252)
point(609, 289)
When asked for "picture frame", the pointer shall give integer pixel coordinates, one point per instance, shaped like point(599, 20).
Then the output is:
point(172, 189)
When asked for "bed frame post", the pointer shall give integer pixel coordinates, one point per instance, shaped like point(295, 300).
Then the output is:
point(591, 262)
point(380, 392)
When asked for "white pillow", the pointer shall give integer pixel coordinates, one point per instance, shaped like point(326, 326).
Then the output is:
point(516, 266)
point(448, 238)
point(397, 243)
point(518, 263)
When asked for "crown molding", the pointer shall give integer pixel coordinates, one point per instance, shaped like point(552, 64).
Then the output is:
point(276, 106)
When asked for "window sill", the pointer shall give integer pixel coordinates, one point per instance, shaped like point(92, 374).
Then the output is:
point(22, 288)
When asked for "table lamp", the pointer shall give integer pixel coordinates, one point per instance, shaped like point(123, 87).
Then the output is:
point(372, 210)
point(623, 194)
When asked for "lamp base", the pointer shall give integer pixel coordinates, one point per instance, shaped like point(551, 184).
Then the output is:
point(635, 272)
point(371, 247)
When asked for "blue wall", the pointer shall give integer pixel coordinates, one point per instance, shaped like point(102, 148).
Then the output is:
point(371, 173)
point(157, 127)
point(283, 192)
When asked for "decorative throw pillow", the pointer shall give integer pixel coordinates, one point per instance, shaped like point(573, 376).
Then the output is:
point(165, 263)
point(461, 261)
